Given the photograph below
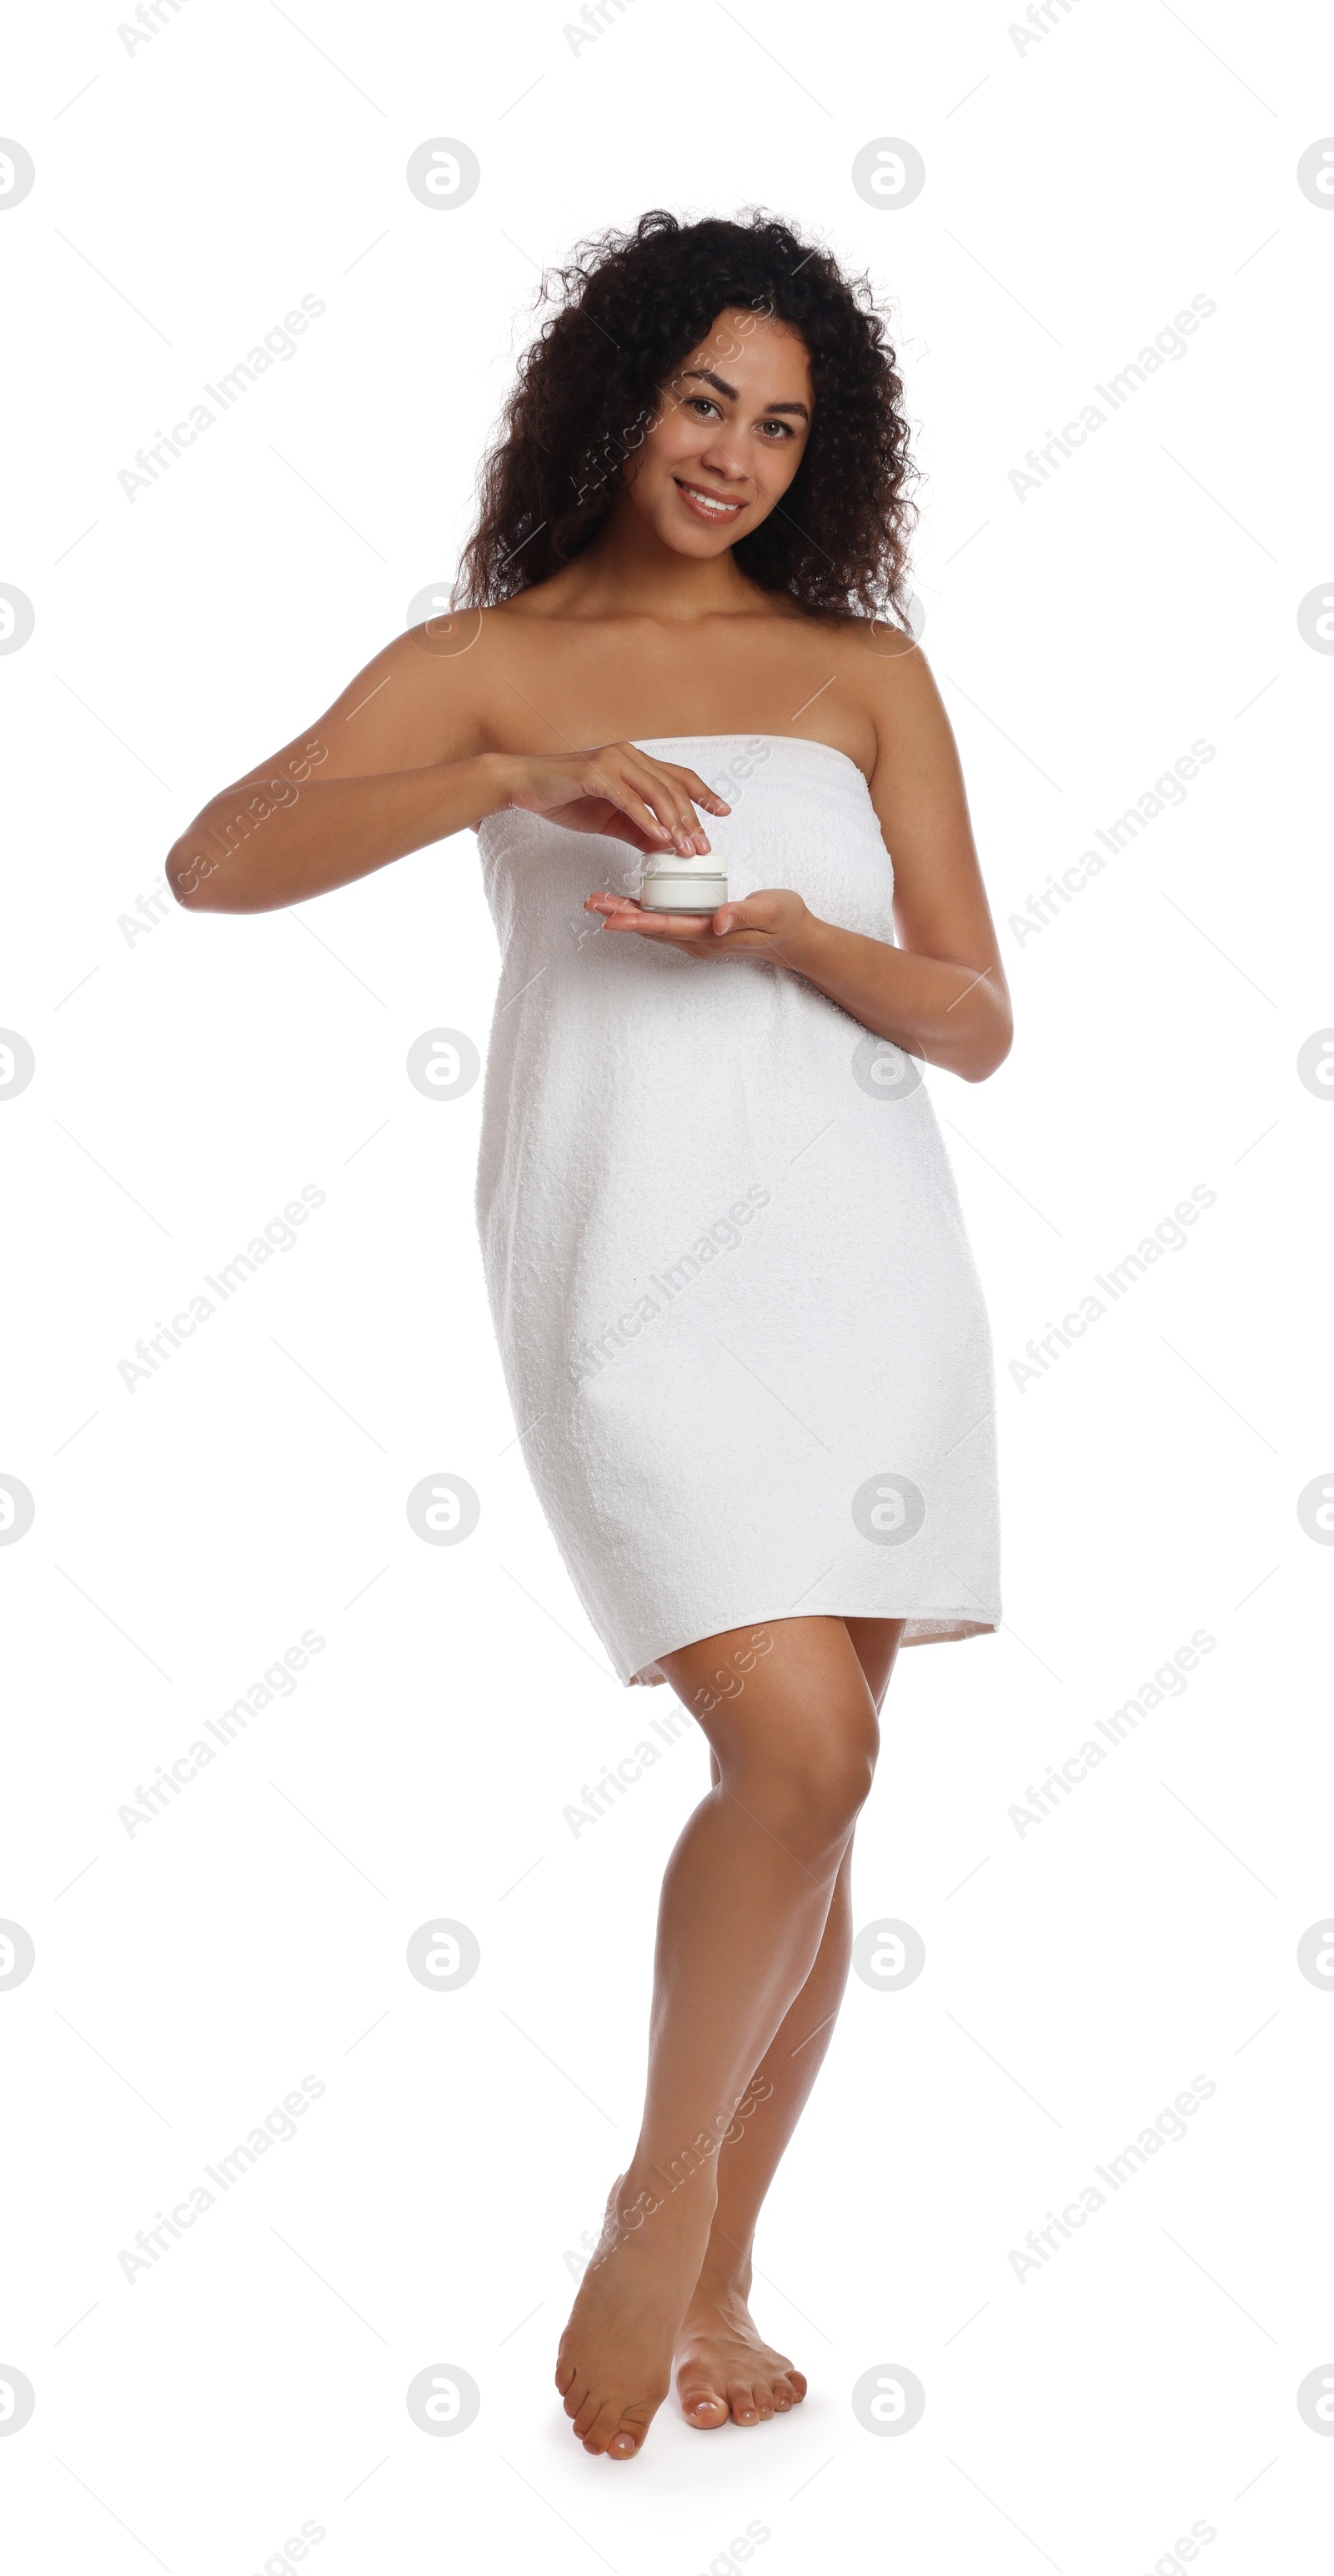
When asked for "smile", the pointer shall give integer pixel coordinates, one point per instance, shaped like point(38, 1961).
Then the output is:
point(705, 504)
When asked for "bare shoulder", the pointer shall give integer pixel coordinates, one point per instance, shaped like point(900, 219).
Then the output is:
point(420, 700)
point(918, 792)
point(875, 657)
point(884, 674)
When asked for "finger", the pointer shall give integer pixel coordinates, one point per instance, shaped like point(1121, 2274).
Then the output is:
point(625, 912)
point(627, 800)
point(608, 907)
point(703, 794)
point(732, 917)
point(622, 827)
point(687, 927)
point(693, 930)
point(621, 912)
point(673, 805)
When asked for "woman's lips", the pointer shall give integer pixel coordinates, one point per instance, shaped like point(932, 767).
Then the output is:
point(708, 505)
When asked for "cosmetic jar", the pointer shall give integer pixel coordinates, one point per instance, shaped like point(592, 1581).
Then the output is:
point(674, 883)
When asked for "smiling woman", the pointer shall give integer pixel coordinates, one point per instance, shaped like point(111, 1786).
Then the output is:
point(657, 317)
point(681, 614)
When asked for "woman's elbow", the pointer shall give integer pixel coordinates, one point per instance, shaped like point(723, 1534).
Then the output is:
point(992, 1042)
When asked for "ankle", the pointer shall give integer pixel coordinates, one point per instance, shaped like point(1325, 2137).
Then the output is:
point(673, 2198)
point(725, 2271)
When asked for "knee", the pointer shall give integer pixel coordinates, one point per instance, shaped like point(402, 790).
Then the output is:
point(810, 1790)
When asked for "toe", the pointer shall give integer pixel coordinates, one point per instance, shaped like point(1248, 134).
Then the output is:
point(702, 2406)
point(764, 2400)
point(741, 2399)
point(586, 2412)
point(618, 2433)
point(596, 2426)
point(632, 2431)
point(796, 2380)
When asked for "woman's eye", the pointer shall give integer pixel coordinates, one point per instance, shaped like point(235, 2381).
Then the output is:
point(783, 428)
point(701, 402)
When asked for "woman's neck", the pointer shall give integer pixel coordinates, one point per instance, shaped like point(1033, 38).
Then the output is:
point(627, 571)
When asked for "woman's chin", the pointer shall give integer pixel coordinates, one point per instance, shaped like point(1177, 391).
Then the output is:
point(692, 537)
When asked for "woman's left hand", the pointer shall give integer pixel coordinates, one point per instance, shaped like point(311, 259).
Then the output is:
point(759, 925)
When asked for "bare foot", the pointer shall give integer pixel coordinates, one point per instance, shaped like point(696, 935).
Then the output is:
point(724, 2367)
point(614, 2366)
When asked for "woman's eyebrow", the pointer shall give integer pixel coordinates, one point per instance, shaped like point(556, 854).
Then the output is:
point(706, 376)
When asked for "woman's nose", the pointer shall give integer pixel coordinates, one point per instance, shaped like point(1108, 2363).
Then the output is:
point(723, 453)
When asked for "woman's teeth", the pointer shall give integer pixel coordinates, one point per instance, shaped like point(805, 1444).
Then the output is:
point(705, 501)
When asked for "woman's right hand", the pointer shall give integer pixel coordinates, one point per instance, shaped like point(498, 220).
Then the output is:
point(618, 791)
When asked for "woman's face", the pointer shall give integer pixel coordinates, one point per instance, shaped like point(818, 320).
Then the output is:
point(728, 438)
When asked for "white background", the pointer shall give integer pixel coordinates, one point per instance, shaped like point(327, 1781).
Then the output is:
point(190, 1080)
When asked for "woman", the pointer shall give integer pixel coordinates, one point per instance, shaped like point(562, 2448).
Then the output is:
point(740, 1322)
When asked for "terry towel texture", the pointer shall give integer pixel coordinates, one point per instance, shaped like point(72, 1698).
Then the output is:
point(739, 1317)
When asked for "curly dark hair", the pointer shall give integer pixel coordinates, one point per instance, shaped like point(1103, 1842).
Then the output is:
point(628, 310)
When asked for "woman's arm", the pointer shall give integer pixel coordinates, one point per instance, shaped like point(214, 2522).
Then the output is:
point(952, 1013)
point(398, 761)
point(286, 832)
point(372, 779)
point(941, 993)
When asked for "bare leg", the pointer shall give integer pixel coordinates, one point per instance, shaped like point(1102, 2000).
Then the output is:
point(744, 1906)
point(723, 2364)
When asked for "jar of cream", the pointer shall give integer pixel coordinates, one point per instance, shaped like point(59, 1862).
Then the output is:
point(676, 882)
